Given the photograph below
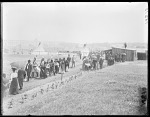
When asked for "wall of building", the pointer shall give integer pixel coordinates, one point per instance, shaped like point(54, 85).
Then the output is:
point(130, 54)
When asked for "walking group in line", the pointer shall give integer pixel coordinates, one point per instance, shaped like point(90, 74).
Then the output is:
point(35, 70)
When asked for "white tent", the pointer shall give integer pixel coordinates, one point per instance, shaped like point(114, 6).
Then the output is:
point(39, 51)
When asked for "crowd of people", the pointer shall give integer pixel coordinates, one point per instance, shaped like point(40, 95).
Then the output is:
point(35, 70)
point(97, 61)
point(91, 62)
point(119, 57)
point(49, 67)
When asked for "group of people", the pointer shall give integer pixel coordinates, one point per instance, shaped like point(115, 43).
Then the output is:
point(93, 63)
point(98, 60)
point(119, 57)
point(35, 70)
point(49, 67)
point(16, 81)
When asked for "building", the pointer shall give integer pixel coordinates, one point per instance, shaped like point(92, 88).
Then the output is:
point(141, 54)
point(131, 54)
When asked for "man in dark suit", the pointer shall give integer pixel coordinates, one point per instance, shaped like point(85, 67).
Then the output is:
point(68, 60)
point(28, 69)
point(21, 76)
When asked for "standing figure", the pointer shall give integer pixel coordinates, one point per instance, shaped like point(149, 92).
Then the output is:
point(69, 60)
point(36, 70)
point(52, 68)
point(94, 64)
point(45, 70)
point(63, 65)
point(98, 59)
point(101, 62)
point(13, 89)
point(59, 61)
point(115, 57)
point(108, 60)
point(80, 55)
point(5, 85)
point(56, 64)
point(73, 61)
point(66, 65)
point(120, 57)
point(21, 76)
point(42, 66)
point(28, 69)
point(48, 68)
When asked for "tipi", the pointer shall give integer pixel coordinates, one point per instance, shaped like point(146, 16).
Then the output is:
point(39, 50)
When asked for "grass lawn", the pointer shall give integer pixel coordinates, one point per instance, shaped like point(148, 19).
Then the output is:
point(112, 90)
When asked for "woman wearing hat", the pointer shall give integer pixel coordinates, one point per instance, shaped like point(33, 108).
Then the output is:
point(13, 89)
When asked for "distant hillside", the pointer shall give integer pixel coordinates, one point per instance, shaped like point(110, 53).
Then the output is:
point(27, 46)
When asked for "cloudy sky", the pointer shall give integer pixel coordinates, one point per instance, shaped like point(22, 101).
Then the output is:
point(75, 22)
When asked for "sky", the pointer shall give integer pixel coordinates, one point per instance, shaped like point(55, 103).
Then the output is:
point(75, 22)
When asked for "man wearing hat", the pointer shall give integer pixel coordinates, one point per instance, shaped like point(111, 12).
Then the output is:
point(21, 76)
point(28, 69)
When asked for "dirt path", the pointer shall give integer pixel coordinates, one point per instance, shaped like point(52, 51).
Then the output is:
point(112, 90)
point(33, 83)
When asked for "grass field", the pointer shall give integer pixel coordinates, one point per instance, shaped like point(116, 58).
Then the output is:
point(110, 91)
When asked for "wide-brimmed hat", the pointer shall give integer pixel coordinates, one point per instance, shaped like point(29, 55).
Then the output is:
point(14, 68)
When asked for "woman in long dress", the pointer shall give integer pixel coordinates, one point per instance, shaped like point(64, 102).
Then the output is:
point(13, 89)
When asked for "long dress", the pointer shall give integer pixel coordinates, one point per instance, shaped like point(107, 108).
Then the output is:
point(13, 89)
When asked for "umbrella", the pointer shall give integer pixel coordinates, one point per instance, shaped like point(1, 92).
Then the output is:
point(123, 53)
point(94, 57)
point(18, 64)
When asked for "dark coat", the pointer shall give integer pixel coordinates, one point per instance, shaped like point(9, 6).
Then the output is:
point(69, 59)
point(21, 73)
point(21, 76)
point(28, 67)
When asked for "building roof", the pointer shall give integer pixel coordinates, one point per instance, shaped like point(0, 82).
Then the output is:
point(141, 50)
point(124, 48)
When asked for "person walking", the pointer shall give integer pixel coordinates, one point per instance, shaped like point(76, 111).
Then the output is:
point(42, 66)
point(28, 69)
point(5, 85)
point(35, 70)
point(56, 64)
point(101, 62)
point(13, 89)
point(69, 60)
point(66, 65)
point(52, 68)
point(73, 61)
point(21, 76)
point(63, 65)
point(48, 68)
